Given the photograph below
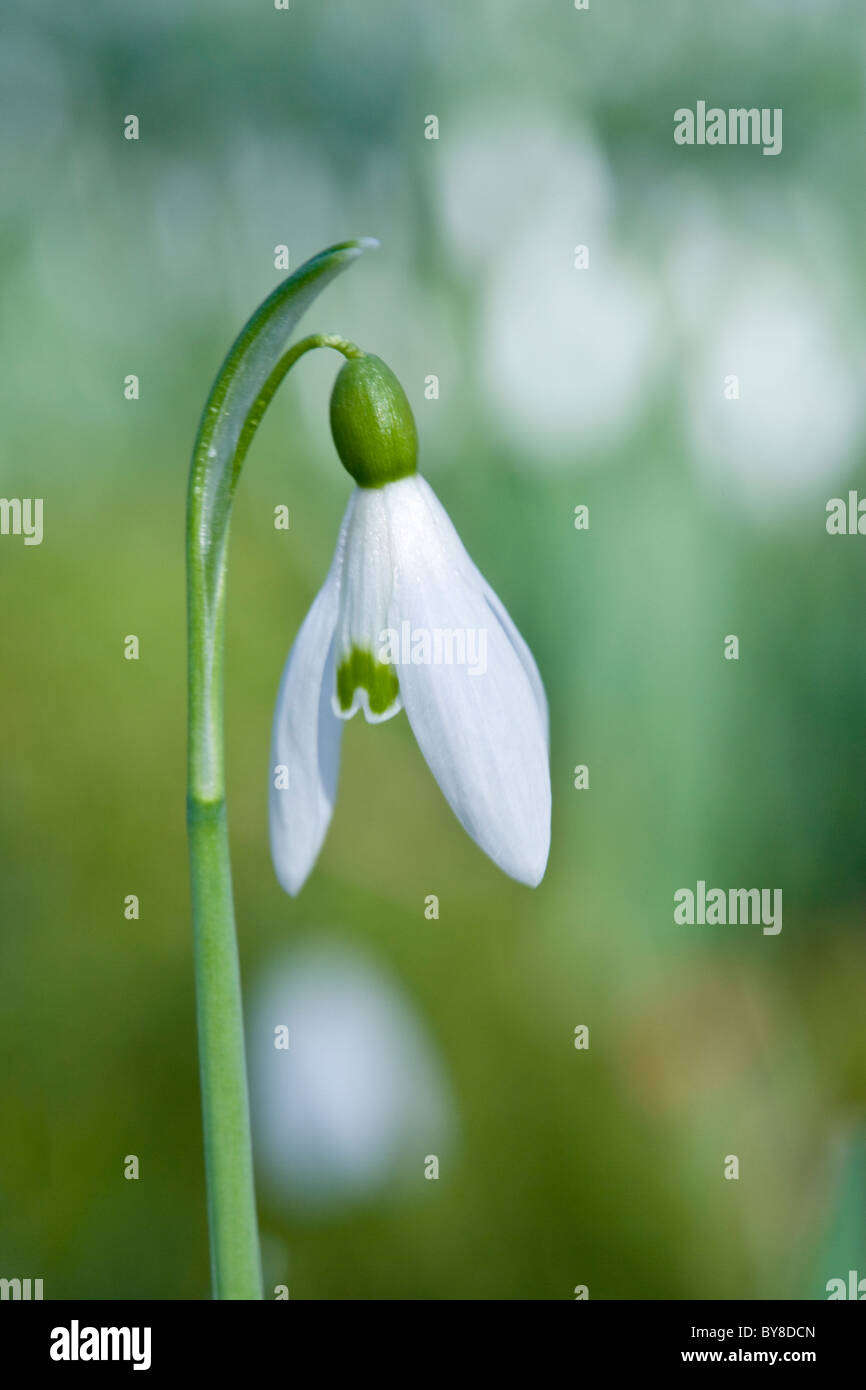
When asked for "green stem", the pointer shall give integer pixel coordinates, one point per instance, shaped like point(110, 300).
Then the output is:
point(235, 1263)
point(286, 362)
point(235, 1258)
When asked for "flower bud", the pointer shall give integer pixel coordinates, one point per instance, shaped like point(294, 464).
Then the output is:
point(372, 423)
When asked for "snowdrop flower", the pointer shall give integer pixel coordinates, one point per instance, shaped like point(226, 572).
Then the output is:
point(357, 1093)
point(405, 620)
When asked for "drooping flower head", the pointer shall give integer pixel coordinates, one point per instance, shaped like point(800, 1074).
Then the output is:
point(404, 620)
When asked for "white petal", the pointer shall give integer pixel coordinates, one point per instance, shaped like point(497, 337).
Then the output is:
point(524, 655)
point(306, 736)
point(366, 582)
point(483, 733)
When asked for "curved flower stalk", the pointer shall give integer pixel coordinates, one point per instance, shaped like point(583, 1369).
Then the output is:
point(403, 620)
point(237, 401)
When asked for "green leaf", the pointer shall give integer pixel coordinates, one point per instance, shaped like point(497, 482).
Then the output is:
point(248, 364)
point(245, 383)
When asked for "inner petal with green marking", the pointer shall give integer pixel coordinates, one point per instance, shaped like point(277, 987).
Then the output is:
point(362, 671)
point(366, 665)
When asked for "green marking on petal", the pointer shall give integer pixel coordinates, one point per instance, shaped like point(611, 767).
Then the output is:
point(361, 671)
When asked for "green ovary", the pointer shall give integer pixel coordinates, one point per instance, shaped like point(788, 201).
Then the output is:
point(361, 671)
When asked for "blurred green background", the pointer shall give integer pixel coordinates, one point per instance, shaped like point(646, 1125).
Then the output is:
point(558, 387)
